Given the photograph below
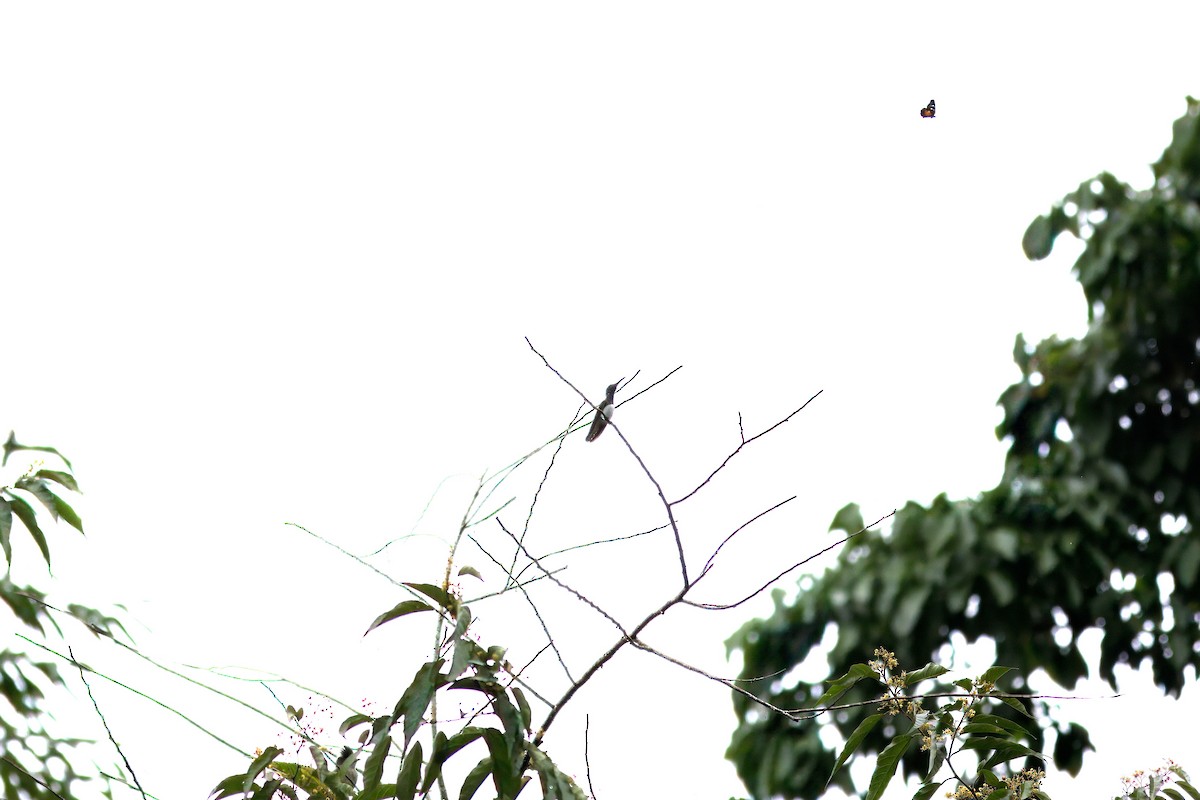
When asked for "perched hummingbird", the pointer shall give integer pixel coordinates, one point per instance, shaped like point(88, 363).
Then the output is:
point(604, 412)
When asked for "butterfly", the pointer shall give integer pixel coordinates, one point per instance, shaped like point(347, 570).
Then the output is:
point(928, 110)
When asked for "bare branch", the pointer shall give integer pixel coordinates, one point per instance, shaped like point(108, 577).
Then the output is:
point(797, 565)
point(816, 711)
point(666, 505)
point(545, 628)
point(587, 723)
point(538, 493)
point(708, 564)
point(745, 442)
point(559, 583)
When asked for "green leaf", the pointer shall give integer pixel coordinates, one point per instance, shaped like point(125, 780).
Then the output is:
point(924, 673)
point(1191, 790)
point(228, 787)
point(1002, 750)
point(848, 519)
point(64, 478)
point(5, 529)
point(993, 674)
point(475, 779)
point(400, 610)
point(885, 765)
point(926, 791)
point(504, 772)
point(470, 571)
point(352, 721)
point(523, 705)
point(1016, 705)
point(416, 697)
point(11, 447)
point(258, 765)
point(373, 768)
point(444, 748)
point(1038, 239)
point(41, 490)
point(384, 791)
point(25, 513)
point(462, 621)
point(67, 513)
point(852, 743)
point(410, 773)
point(435, 593)
point(983, 728)
point(267, 790)
point(843, 684)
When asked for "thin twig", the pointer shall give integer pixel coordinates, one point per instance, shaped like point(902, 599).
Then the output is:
point(424, 511)
point(159, 703)
point(797, 565)
point(587, 722)
point(662, 496)
point(538, 493)
point(708, 564)
point(104, 722)
point(745, 442)
point(33, 777)
point(584, 545)
point(545, 627)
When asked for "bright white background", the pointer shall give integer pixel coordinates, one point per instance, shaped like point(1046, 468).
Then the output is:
point(271, 262)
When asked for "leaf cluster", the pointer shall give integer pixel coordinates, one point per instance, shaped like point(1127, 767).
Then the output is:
point(1091, 526)
point(37, 763)
point(467, 666)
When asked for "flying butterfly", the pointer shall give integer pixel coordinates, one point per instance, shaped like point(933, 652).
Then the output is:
point(928, 110)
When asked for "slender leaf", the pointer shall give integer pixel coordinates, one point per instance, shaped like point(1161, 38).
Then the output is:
point(41, 490)
point(926, 791)
point(258, 765)
point(523, 705)
point(885, 765)
point(63, 478)
point(352, 721)
point(993, 674)
point(925, 673)
point(410, 773)
point(228, 787)
point(373, 768)
point(400, 610)
point(843, 684)
point(416, 697)
point(11, 446)
point(5, 528)
point(435, 593)
point(1015, 729)
point(504, 772)
point(25, 513)
point(444, 747)
point(67, 513)
point(475, 779)
point(383, 791)
point(852, 743)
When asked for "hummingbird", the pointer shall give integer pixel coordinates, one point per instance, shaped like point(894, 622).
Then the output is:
point(604, 412)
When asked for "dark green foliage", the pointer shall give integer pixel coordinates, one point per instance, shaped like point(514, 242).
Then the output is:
point(1096, 506)
point(23, 681)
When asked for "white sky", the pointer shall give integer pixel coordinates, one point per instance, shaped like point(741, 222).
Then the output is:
point(272, 262)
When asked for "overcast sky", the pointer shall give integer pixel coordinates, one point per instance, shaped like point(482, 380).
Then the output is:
point(274, 262)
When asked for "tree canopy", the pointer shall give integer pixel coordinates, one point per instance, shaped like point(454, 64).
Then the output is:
point(1091, 525)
